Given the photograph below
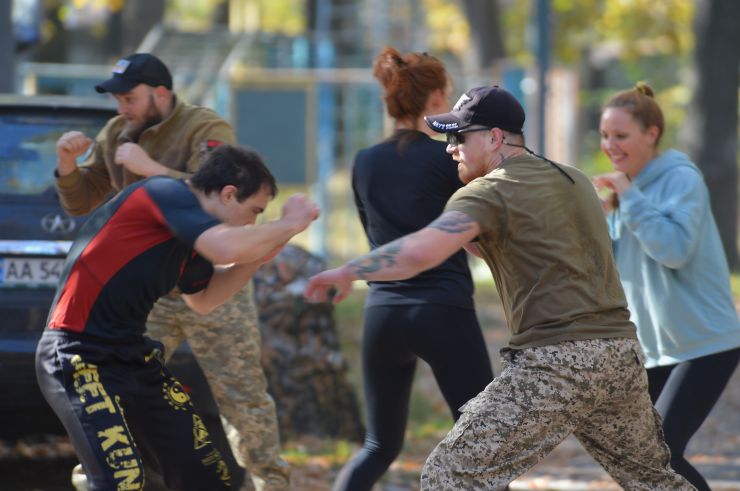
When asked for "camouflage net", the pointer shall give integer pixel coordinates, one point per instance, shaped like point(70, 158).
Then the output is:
point(301, 355)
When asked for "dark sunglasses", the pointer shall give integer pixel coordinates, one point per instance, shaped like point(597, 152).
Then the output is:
point(458, 138)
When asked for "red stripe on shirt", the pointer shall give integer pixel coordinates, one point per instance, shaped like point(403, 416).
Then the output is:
point(137, 226)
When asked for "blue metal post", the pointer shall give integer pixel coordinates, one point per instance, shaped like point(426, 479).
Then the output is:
point(326, 127)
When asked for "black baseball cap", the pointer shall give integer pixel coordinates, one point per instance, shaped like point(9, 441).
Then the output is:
point(493, 107)
point(135, 69)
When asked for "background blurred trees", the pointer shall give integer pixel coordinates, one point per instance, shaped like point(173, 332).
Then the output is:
point(688, 50)
point(486, 37)
point(103, 29)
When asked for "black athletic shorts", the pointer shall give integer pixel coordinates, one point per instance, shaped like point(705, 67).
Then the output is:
point(121, 406)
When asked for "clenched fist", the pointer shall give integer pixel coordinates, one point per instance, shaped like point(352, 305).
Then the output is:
point(137, 161)
point(300, 211)
point(71, 145)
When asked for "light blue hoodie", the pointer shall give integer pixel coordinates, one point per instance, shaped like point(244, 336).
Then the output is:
point(672, 264)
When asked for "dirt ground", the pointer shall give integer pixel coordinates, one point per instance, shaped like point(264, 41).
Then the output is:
point(714, 450)
point(43, 463)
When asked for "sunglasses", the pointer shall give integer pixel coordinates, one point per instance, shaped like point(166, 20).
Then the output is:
point(455, 138)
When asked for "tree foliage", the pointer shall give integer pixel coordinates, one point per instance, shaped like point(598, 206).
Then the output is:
point(449, 30)
point(634, 27)
point(276, 16)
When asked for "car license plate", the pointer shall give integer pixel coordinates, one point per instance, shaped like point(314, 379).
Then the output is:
point(27, 271)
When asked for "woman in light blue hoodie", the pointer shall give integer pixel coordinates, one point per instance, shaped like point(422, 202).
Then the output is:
point(672, 266)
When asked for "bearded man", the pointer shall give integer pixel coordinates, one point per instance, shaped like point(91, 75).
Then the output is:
point(156, 133)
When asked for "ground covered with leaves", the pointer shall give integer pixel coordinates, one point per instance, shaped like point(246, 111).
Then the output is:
point(43, 462)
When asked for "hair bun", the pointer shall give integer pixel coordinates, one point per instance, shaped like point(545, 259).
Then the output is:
point(644, 89)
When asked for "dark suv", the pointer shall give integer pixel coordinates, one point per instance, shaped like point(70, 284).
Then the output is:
point(35, 234)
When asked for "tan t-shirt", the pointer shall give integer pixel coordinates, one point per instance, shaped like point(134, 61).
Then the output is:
point(546, 242)
point(180, 143)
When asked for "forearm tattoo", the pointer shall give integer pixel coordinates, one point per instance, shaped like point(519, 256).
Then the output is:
point(382, 257)
point(453, 222)
point(387, 256)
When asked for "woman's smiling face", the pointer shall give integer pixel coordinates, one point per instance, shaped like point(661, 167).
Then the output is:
point(626, 142)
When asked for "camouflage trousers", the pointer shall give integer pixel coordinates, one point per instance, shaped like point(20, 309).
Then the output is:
point(227, 345)
point(595, 389)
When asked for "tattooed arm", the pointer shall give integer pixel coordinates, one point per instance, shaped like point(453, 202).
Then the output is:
point(398, 260)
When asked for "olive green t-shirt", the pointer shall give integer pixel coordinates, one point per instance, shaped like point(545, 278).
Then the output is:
point(546, 242)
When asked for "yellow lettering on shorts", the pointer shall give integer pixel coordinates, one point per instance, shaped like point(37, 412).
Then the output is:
point(200, 433)
point(214, 458)
point(127, 470)
point(88, 387)
point(121, 457)
point(223, 472)
point(106, 403)
point(113, 435)
point(117, 459)
point(128, 480)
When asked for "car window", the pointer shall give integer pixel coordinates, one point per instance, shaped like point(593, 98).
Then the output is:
point(28, 148)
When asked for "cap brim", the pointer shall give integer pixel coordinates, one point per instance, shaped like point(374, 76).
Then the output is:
point(445, 123)
point(115, 85)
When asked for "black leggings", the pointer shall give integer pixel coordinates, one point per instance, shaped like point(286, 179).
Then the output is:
point(684, 394)
point(449, 339)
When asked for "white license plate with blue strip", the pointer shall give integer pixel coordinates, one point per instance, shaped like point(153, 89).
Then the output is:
point(30, 272)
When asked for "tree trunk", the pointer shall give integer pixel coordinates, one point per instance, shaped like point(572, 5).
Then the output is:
point(710, 131)
point(305, 370)
point(113, 40)
point(139, 17)
point(487, 45)
point(221, 14)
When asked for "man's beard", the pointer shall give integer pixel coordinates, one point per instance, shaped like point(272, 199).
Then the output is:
point(153, 116)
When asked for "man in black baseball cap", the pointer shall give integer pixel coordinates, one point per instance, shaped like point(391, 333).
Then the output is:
point(485, 109)
point(573, 363)
point(135, 69)
point(157, 133)
point(492, 107)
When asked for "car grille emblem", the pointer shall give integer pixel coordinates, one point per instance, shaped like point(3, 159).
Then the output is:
point(56, 223)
